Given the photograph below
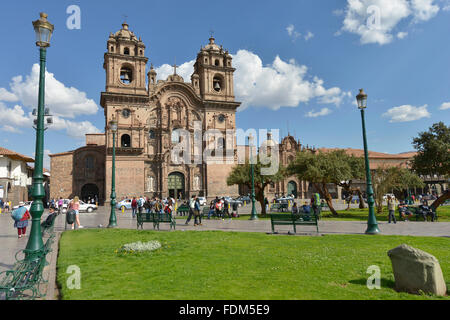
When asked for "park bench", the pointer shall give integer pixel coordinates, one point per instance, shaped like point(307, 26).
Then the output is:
point(183, 210)
point(417, 213)
point(25, 275)
point(279, 207)
point(294, 220)
point(205, 212)
point(156, 218)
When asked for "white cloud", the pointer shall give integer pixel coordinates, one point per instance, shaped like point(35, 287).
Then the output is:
point(7, 96)
point(292, 32)
point(309, 35)
point(74, 129)
point(281, 84)
point(62, 101)
point(322, 112)
point(185, 71)
point(13, 120)
point(375, 20)
point(407, 113)
point(445, 106)
point(402, 35)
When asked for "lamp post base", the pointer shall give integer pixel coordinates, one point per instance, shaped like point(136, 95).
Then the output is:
point(372, 229)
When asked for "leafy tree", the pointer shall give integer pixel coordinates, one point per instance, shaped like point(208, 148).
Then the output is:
point(386, 179)
point(241, 174)
point(433, 155)
point(357, 167)
point(321, 168)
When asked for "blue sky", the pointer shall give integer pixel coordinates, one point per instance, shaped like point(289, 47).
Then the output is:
point(304, 62)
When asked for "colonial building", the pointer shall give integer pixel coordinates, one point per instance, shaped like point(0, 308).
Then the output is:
point(148, 114)
point(15, 176)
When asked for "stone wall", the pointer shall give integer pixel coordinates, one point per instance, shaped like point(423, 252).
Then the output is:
point(61, 181)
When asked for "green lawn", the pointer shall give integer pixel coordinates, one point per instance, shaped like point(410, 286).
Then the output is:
point(234, 265)
point(356, 214)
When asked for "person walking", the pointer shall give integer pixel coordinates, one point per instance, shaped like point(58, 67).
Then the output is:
point(75, 206)
point(134, 206)
point(191, 209)
point(235, 209)
point(140, 204)
point(391, 208)
point(197, 215)
point(294, 208)
point(315, 204)
point(22, 224)
point(60, 204)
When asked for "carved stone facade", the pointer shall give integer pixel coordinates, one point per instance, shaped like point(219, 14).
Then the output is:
point(148, 116)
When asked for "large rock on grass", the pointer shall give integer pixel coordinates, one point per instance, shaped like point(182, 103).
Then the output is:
point(416, 270)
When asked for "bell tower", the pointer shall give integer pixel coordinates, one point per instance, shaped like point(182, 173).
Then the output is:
point(215, 72)
point(125, 62)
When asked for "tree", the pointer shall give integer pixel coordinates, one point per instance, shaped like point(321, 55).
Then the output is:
point(386, 179)
point(241, 174)
point(321, 168)
point(357, 167)
point(433, 155)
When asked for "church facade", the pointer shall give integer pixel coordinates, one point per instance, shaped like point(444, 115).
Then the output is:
point(149, 113)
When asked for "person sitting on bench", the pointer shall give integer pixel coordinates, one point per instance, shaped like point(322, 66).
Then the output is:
point(426, 211)
point(405, 213)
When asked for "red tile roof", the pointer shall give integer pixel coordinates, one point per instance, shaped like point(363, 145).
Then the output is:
point(15, 155)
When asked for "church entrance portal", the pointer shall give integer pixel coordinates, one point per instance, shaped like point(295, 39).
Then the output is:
point(89, 190)
point(175, 185)
point(292, 188)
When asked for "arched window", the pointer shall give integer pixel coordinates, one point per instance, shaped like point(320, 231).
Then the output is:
point(89, 162)
point(112, 49)
point(126, 51)
point(126, 75)
point(151, 134)
point(217, 63)
point(217, 84)
point(125, 141)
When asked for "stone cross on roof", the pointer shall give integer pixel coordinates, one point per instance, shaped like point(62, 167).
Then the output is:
point(175, 67)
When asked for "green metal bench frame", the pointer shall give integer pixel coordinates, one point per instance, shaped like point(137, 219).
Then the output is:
point(183, 209)
point(294, 220)
point(279, 207)
point(156, 218)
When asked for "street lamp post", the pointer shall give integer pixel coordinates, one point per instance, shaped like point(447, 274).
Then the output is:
point(112, 216)
point(44, 30)
point(254, 215)
point(372, 225)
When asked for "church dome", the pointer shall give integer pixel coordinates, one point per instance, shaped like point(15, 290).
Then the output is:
point(125, 33)
point(212, 46)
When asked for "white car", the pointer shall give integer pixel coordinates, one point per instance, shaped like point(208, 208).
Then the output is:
point(388, 194)
point(89, 207)
point(202, 201)
point(26, 204)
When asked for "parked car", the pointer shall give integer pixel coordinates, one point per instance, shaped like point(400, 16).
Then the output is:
point(388, 194)
point(65, 205)
point(26, 204)
point(89, 207)
point(124, 204)
point(243, 199)
point(202, 201)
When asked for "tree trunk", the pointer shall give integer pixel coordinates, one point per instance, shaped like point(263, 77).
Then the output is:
point(259, 196)
point(445, 196)
point(323, 191)
point(361, 199)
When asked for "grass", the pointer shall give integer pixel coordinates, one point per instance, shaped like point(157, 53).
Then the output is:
point(196, 265)
point(355, 215)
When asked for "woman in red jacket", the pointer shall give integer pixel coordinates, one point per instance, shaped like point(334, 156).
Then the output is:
point(22, 224)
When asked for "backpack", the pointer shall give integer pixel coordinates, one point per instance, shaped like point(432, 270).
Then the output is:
point(17, 214)
point(140, 202)
point(316, 199)
point(70, 216)
point(192, 204)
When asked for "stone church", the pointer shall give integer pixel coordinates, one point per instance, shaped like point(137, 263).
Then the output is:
point(148, 111)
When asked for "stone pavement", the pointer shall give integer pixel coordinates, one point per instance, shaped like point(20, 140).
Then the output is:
point(10, 243)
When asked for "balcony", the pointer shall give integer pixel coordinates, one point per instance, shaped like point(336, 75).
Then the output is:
point(126, 151)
